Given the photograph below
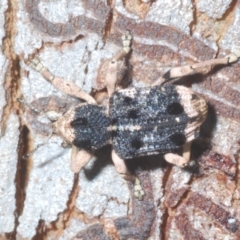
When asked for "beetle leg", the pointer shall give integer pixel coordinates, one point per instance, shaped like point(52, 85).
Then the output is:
point(122, 169)
point(111, 73)
point(175, 159)
point(187, 151)
point(61, 84)
point(180, 161)
point(202, 67)
point(79, 159)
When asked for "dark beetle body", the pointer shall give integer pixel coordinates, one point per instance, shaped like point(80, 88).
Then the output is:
point(141, 121)
point(152, 114)
point(91, 126)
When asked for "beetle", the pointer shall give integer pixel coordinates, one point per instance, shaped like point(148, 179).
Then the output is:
point(136, 121)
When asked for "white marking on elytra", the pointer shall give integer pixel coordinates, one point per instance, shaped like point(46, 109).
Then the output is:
point(131, 128)
point(177, 119)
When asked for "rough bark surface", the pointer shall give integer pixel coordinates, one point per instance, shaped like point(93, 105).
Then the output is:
point(40, 197)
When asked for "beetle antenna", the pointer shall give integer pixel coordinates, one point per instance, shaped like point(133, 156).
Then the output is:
point(21, 100)
point(27, 155)
point(51, 115)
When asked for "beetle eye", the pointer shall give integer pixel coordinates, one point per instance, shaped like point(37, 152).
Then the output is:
point(174, 108)
point(178, 139)
point(79, 122)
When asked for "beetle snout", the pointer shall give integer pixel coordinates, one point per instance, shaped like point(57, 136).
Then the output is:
point(62, 127)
